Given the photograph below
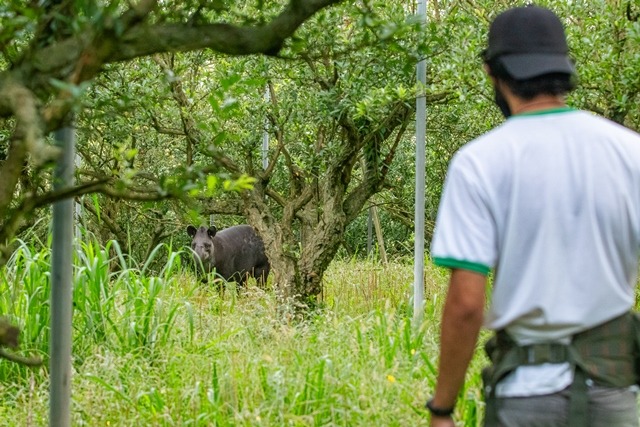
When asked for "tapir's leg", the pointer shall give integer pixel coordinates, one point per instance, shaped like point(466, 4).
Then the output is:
point(261, 273)
point(240, 277)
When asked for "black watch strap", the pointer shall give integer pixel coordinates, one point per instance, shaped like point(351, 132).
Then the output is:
point(438, 412)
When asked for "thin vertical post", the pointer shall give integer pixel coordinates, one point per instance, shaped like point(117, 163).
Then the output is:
point(79, 223)
point(370, 231)
point(421, 136)
point(61, 286)
point(265, 132)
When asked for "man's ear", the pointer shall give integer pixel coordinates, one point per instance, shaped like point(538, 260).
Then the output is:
point(487, 70)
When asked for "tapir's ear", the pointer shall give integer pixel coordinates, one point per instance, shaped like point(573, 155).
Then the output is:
point(212, 231)
point(191, 230)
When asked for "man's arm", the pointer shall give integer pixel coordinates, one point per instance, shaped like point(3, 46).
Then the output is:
point(461, 323)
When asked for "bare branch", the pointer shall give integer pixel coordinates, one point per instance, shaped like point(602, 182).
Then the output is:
point(9, 338)
point(27, 361)
point(190, 128)
point(165, 130)
point(10, 173)
point(222, 207)
point(113, 226)
point(20, 102)
point(223, 38)
point(58, 59)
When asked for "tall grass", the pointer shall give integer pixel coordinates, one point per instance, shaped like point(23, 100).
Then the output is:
point(167, 350)
point(24, 300)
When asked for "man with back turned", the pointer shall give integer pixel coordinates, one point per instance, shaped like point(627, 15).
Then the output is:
point(550, 201)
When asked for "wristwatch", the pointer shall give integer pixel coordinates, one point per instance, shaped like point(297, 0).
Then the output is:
point(438, 412)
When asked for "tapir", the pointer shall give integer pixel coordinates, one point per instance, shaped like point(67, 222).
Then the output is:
point(235, 253)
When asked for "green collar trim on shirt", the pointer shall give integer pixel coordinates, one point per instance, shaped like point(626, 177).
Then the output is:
point(463, 265)
point(547, 111)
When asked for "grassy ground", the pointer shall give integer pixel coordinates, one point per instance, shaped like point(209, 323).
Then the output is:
point(166, 350)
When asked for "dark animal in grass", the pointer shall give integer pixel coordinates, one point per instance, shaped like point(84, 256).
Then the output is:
point(235, 253)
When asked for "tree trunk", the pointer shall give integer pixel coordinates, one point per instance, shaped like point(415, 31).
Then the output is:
point(297, 263)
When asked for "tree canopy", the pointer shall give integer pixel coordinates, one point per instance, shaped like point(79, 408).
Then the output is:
point(170, 110)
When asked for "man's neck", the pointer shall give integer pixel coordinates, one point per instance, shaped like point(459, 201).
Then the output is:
point(538, 103)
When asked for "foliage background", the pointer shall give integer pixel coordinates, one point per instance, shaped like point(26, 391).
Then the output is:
point(132, 124)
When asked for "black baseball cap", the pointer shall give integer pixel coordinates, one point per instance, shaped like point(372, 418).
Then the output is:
point(530, 42)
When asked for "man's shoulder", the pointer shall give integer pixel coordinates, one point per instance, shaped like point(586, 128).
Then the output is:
point(486, 144)
point(500, 134)
point(587, 120)
point(517, 128)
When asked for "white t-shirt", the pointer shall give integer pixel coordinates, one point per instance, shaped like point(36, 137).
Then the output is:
point(551, 201)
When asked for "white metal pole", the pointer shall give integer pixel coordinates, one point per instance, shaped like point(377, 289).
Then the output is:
point(421, 136)
point(61, 286)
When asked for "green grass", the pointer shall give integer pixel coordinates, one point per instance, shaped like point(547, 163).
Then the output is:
point(167, 350)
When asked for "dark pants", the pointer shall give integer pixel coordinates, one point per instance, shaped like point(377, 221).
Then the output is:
point(608, 407)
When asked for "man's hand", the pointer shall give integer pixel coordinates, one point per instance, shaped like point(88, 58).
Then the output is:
point(461, 321)
point(442, 422)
